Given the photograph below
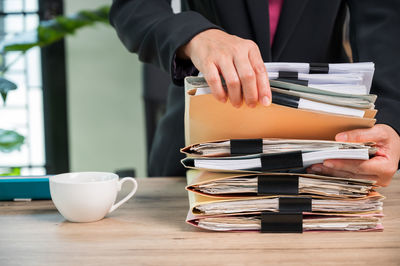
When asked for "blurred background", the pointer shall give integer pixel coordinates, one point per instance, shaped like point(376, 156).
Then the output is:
point(81, 102)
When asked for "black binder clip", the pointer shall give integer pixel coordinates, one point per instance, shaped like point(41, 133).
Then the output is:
point(276, 222)
point(277, 185)
point(285, 100)
point(295, 204)
point(281, 161)
point(288, 75)
point(319, 68)
point(291, 77)
point(246, 146)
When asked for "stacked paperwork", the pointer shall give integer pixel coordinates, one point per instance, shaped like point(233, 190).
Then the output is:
point(248, 176)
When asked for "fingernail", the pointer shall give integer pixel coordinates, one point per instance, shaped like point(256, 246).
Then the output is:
point(265, 101)
point(237, 105)
point(252, 105)
point(341, 137)
point(316, 168)
point(310, 171)
point(328, 164)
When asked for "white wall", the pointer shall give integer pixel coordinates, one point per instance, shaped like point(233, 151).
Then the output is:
point(105, 107)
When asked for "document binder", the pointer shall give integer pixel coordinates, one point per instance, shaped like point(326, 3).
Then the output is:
point(207, 119)
point(225, 185)
point(261, 163)
point(251, 163)
point(281, 222)
point(235, 147)
point(267, 222)
point(209, 206)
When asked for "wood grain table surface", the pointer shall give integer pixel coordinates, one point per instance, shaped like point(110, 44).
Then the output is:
point(150, 229)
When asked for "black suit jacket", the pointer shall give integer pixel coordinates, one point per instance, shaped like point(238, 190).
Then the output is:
point(308, 31)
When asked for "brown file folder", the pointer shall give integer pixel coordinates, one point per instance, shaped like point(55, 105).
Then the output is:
point(207, 119)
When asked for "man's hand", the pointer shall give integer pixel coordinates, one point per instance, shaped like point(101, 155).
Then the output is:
point(381, 168)
point(215, 52)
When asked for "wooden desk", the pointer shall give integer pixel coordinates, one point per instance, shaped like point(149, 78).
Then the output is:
point(150, 230)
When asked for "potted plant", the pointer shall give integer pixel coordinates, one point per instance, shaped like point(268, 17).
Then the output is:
point(47, 33)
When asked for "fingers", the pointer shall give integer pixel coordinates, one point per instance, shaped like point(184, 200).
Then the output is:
point(353, 166)
point(247, 79)
point(232, 82)
point(322, 170)
point(213, 79)
point(377, 133)
point(215, 53)
point(264, 90)
point(379, 166)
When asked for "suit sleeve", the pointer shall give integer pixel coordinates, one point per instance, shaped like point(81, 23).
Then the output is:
point(374, 36)
point(151, 29)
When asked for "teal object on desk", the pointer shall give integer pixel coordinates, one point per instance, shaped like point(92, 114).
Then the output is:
point(24, 187)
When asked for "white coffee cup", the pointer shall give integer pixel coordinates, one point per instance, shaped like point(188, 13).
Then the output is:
point(87, 196)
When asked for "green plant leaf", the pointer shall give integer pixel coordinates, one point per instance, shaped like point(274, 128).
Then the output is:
point(5, 87)
point(53, 30)
point(20, 42)
point(13, 171)
point(10, 140)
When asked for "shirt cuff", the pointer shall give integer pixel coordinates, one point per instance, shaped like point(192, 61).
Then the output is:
point(182, 68)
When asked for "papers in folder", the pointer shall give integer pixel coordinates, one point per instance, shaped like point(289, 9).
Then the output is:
point(370, 204)
point(296, 101)
point(273, 161)
point(365, 69)
point(310, 223)
point(252, 160)
point(225, 202)
point(235, 147)
point(250, 185)
point(308, 113)
point(261, 155)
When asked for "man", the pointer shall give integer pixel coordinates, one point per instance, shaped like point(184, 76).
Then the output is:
point(233, 38)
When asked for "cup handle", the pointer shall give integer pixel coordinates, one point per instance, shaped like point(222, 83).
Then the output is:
point(127, 197)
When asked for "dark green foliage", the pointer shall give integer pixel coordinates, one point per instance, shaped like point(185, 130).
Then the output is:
point(5, 87)
point(53, 30)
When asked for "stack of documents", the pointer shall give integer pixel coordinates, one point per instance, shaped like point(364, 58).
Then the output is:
point(315, 74)
point(262, 155)
point(310, 223)
point(330, 102)
point(234, 185)
point(300, 202)
point(247, 165)
point(317, 100)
